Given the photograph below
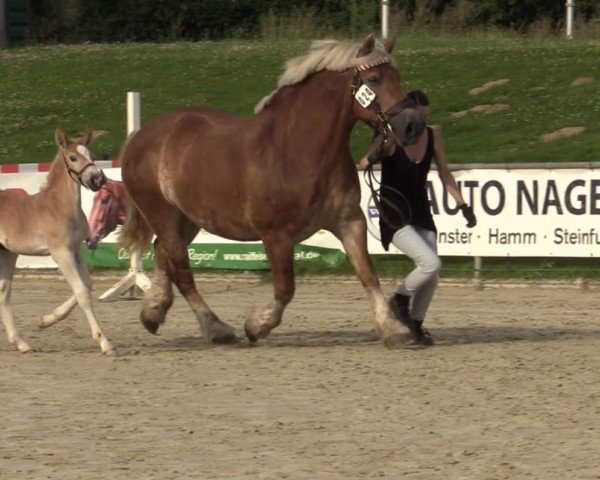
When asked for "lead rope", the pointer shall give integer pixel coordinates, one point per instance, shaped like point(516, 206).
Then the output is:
point(375, 187)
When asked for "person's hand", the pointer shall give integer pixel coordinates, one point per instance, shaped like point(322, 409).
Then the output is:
point(376, 151)
point(467, 212)
point(375, 156)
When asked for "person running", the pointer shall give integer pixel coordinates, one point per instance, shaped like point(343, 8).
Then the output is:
point(406, 220)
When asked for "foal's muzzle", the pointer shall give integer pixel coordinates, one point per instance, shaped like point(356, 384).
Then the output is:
point(95, 180)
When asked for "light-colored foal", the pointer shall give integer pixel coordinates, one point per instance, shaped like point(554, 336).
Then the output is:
point(51, 222)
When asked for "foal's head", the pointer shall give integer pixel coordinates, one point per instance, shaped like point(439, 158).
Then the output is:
point(77, 159)
point(381, 100)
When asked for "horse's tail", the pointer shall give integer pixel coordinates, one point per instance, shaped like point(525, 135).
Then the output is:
point(136, 233)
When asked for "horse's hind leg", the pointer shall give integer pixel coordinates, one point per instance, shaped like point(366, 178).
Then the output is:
point(159, 297)
point(353, 235)
point(8, 261)
point(280, 251)
point(171, 257)
point(73, 267)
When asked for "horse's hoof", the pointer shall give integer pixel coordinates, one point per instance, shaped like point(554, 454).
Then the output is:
point(111, 352)
point(255, 330)
point(152, 327)
point(399, 340)
point(250, 335)
point(225, 339)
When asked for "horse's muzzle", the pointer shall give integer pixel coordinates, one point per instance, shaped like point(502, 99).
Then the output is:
point(92, 242)
point(407, 126)
point(96, 181)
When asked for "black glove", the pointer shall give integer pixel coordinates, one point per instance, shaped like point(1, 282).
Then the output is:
point(469, 215)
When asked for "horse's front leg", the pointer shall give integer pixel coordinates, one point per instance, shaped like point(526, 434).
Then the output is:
point(73, 267)
point(353, 235)
point(280, 251)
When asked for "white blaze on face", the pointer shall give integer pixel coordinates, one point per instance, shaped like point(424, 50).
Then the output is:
point(84, 152)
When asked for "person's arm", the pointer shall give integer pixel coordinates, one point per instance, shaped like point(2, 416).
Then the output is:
point(363, 164)
point(449, 181)
point(378, 150)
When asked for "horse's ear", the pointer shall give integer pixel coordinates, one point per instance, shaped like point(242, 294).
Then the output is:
point(367, 47)
point(99, 133)
point(389, 45)
point(87, 137)
point(60, 138)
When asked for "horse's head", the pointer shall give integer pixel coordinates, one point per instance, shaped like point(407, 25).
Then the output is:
point(380, 98)
point(78, 161)
point(108, 211)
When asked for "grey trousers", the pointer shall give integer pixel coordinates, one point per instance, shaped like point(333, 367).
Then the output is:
point(421, 246)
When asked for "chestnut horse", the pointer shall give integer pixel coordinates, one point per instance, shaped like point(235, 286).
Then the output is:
point(278, 176)
point(51, 222)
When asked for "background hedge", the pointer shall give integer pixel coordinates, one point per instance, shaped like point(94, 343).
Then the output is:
point(164, 20)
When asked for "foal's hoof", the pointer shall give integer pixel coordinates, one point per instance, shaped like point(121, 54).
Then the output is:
point(23, 346)
point(112, 352)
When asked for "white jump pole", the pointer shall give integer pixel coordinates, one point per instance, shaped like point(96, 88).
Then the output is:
point(135, 283)
point(385, 18)
point(570, 15)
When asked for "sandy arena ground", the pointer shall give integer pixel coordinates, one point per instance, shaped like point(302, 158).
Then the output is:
point(511, 391)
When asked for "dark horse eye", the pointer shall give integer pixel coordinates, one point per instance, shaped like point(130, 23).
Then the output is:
point(374, 80)
point(73, 158)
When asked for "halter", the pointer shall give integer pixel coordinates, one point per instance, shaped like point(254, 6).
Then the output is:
point(368, 98)
point(75, 175)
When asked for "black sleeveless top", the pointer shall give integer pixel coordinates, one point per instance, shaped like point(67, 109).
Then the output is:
point(403, 192)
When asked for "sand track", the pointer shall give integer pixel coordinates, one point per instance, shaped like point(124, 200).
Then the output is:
point(511, 390)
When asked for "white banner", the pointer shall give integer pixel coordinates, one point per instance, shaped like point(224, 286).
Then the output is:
point(523, 212)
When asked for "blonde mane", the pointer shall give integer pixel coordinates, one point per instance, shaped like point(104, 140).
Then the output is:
point(326, 55)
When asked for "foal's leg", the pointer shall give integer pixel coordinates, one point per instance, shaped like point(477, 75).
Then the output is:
point(59, 313)
point(174, 235)
point(353, 235)
point(280, 251)
point(8, 261)
point(73, 268)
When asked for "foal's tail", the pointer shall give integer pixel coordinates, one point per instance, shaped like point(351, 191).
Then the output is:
point(136, 233)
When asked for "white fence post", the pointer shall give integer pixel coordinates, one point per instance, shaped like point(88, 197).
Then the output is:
point(135, 283)
point(570, 15)
point(385, 18)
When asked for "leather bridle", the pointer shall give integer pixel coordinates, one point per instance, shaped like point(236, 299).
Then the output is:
point(384, 130)
point(383, 125)
point(75, 175)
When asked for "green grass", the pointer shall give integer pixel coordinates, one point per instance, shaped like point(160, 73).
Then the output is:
point(523, 268)
point(459, 268)
point(85, 85)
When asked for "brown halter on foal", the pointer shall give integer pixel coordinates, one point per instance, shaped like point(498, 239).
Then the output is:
point(288, 174)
